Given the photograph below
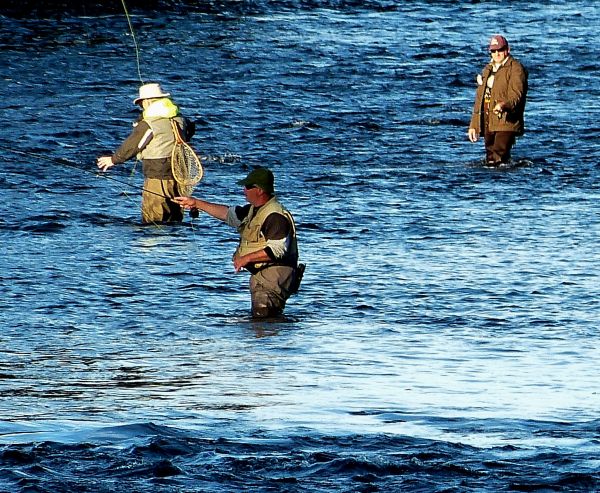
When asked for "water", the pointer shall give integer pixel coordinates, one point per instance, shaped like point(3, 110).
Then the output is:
point(445, 336)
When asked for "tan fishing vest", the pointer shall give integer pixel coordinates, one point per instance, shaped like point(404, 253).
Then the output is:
point(252, 240)
point(162, 142)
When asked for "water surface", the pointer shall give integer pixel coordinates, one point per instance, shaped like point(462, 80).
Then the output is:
point(445, 337)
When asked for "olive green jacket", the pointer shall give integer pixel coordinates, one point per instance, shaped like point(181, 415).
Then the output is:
point(510, 87)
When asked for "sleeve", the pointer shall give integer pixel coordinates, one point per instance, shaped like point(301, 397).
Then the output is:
point(276, 230)
point(134, 143)
point(517, 87)
point(236, 214)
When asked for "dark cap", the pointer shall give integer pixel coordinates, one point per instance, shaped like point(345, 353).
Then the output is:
point(498, 42)
point(261, 178)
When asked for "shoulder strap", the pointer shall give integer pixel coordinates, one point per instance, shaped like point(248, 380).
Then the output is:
point(176, 131)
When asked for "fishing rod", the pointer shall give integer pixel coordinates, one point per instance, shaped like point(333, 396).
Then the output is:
point(71, 164)
point(194, 213)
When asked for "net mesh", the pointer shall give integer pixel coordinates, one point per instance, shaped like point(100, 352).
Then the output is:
point(185, 164)
point(186, 167)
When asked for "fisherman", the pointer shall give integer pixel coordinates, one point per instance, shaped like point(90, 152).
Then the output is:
point(268, 247)
point(152, 140)
point(499, 103)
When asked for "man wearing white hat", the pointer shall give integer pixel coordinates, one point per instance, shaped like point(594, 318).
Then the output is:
point(499, 102)
point(152, 141)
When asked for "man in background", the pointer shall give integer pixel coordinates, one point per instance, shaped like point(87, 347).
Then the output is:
point(499, 103)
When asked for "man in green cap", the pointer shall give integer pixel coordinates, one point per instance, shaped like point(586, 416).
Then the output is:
point(268, 247)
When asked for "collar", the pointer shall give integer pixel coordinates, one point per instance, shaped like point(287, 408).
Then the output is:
point(161, 108)
point(496, 67)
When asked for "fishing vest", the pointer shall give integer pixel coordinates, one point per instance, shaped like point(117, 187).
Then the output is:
point(163, 140)
point(252, 239)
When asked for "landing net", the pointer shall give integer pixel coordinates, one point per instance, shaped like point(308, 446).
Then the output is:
point(185, 164)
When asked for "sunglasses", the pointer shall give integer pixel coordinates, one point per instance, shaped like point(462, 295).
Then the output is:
point(496, 51)
point(249, 187)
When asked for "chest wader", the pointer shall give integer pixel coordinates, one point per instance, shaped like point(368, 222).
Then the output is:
point(157, 206)
point(271, 284)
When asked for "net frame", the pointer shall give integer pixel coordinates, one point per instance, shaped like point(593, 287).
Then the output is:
point(186, 166)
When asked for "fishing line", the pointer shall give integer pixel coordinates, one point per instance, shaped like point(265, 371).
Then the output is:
point(70, 164)
point(194, 213)
point(137, 50)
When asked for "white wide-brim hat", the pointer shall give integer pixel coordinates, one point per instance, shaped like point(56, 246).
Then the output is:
point(150, 91)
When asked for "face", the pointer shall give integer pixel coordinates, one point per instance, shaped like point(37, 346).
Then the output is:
point(256, 196)
point(252, 194)
point(499, 55)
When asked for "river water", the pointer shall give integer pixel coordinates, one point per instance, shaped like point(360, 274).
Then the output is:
point(445, 338)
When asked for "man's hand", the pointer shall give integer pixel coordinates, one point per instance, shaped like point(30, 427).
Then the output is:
point(239, 262)
point(186, 202)
point(104, 163)
point(473, 135)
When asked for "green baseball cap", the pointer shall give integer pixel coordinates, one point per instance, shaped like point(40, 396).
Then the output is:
point(261, 178)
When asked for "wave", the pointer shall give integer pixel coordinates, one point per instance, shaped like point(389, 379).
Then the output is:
point(149, 457)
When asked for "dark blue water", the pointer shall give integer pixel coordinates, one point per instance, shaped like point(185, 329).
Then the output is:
point(445, 338)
